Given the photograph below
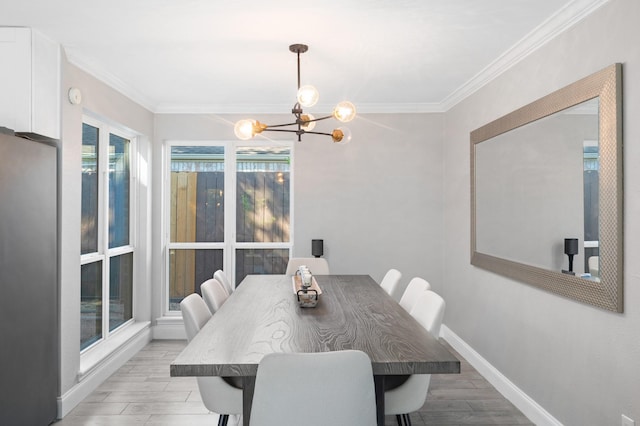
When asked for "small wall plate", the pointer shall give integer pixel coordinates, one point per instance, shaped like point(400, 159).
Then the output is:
point(75, 96)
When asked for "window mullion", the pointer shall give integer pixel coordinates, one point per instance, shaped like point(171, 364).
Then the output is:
point(133, 192)
point(230, 210)
point(103, 145)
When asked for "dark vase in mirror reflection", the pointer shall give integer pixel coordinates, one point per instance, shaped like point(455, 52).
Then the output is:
point(570, 249)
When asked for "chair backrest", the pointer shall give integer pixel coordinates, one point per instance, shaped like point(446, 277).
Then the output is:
point(217, 395)
point(317, 265)
point(314, 389)
point(222, 277)
point(214, 294)
point(195, 314)
point(413, 291)
point(410, 396)
point(390, 282)
point(429, 311)
point(594, 265)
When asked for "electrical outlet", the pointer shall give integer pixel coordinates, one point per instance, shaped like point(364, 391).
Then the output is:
point(626, 421)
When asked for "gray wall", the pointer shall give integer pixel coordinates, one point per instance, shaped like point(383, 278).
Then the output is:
point(579, 362)
point(376, 202)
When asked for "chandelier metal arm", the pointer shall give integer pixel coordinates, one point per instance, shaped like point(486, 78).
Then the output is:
point(318, 133)
point(301, 131)
point(298, 132)
point(270, 126)
point(319, 119)
point(299, 121)
point(283, 130)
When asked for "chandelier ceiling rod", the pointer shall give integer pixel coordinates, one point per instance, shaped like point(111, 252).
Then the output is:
point(298, 49)
point(306, 96)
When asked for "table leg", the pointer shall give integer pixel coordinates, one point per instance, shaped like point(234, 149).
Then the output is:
point(378, 381)
point(248, 386)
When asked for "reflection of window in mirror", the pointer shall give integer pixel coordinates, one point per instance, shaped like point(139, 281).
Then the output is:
point(591, 163)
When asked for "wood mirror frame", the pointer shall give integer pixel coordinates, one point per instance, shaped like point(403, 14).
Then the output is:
point(608, 292)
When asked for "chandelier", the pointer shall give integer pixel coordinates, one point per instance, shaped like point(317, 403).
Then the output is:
point(307, 96)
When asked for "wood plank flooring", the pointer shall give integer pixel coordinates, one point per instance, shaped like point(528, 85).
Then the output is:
point(142, 393)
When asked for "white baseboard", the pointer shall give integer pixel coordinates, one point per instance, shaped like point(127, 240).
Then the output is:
point(102, 370)
point(169, 328)
point(530, 408)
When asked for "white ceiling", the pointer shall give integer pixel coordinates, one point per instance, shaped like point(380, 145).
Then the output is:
point(233, 56)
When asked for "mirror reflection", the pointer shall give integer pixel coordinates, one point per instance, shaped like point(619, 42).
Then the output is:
point(537, 186)
point(546, 192)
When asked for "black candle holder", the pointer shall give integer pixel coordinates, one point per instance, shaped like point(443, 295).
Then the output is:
point(317, 248)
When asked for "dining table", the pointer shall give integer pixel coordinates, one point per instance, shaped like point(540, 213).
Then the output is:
point(353, 312)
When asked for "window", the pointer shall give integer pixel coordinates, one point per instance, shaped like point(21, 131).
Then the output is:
point(263, 210)
point(106, 245)
point(228, 208)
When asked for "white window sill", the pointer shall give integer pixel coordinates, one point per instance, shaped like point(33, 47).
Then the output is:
point(93, 357)
point(170, 319)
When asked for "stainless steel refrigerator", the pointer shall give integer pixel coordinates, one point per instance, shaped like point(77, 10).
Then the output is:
point(29, 330)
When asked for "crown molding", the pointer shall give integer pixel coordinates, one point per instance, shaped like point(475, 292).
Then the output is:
point(164, 108)
point(400, 108)
point(556, 24)
point(318, 110)
point(111, 81)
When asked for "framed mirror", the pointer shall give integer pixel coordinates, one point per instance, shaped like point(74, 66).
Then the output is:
point(546, 192)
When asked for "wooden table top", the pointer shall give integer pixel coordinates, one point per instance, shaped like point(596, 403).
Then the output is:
point(262, 316)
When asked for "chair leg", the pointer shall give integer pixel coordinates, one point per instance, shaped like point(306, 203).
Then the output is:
point(399, 419)
point(407, 419)
point(223, 419)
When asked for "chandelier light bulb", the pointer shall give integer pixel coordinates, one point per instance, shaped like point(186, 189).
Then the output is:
point(341, 135)
point(307, 124)
point(244, 129)
point(345, 111)
point(308, 96)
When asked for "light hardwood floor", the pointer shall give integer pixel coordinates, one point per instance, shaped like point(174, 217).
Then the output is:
point(142, 393)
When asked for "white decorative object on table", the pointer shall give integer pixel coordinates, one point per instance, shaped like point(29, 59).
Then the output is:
point(305, 276)
point(307, 294)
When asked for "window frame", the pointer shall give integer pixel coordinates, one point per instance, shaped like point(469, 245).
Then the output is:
point(104, 253)
point(229, 245)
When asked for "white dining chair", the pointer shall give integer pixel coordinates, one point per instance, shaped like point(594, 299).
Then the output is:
point(594, 265)
point(414, 290)
point(314, 389)
point(317, 265)
point(217, 395)
point(214, 294)
point(224, 280)
point(411, 395)
point(390, 282)
point(195, 314)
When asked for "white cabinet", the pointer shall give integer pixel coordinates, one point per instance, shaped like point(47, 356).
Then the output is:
point(29, 82)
